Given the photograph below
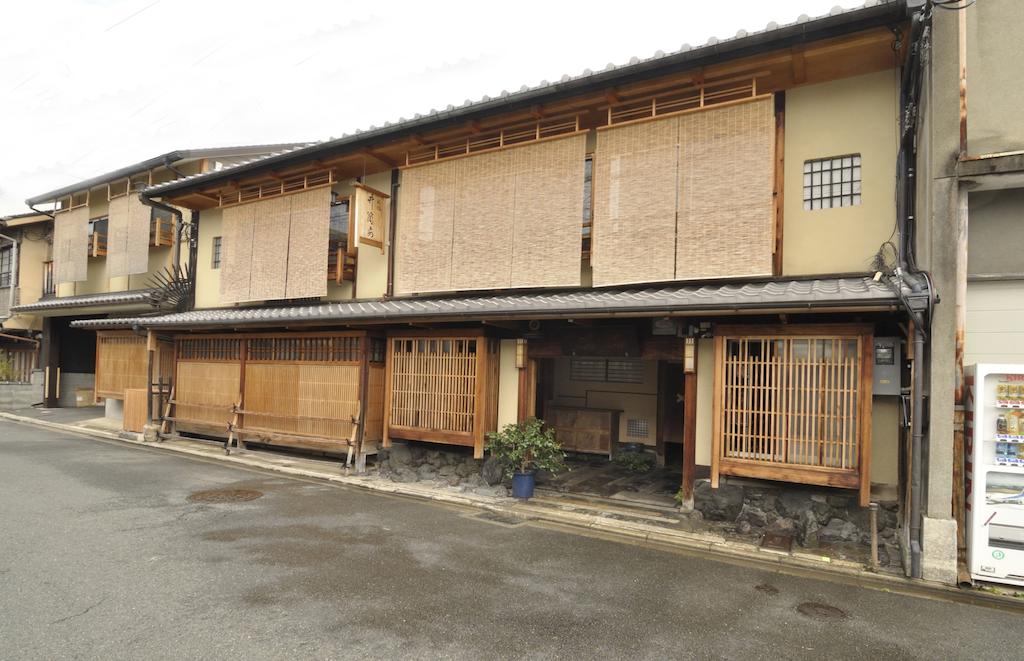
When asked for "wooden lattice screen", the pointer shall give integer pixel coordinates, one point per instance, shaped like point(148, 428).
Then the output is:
point(122, 362)
point(442, 388)
point(794, 404)
point(295, 389)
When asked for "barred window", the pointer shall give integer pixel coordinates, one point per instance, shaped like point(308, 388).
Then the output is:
point(5, 266)
point(832, 182)
point(215, 260)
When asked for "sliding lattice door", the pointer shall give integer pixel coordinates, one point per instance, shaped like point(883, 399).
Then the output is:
point(794, 405)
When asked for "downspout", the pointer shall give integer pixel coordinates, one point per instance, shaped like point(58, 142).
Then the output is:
point(907, 269)
point(392, 223)
point(180, 223)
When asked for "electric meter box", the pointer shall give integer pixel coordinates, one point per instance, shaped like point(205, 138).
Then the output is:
point(888, 366)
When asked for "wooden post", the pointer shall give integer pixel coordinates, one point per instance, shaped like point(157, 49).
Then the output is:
point(689, 422)
point(150, 353)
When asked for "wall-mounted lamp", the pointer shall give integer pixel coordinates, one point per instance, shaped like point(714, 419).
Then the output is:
point(690, 355)
point(520, 353)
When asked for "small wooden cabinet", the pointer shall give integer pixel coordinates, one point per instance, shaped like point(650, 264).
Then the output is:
point(581, 429)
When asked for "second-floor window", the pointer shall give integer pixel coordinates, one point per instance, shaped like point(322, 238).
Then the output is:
point(215, 260)
point(832, 182)
point(588, 203)
point(5, 266)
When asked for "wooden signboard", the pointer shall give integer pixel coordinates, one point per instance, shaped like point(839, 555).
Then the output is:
point(370, 213)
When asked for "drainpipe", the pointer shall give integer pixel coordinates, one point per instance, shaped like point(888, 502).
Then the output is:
point(181, 222)
point(392, 222)
point(907, 271)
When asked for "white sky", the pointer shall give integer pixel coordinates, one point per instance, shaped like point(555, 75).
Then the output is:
point(89, 86)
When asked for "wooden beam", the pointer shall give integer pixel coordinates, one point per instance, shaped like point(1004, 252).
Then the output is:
point(799, 64)
point(386, 160)
point(689, 437)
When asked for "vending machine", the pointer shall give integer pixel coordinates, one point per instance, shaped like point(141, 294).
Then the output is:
point(994, 445)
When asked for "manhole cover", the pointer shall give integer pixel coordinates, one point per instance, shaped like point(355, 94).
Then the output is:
point(767, 588)
point(224, 496)
point(820, 611)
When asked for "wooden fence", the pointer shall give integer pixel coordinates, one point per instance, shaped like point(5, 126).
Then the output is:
point(794, 404)
point(442, 387)
point(293, 389)
point(122, 363)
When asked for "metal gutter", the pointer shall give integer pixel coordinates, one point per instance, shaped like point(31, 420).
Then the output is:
point(775, 38)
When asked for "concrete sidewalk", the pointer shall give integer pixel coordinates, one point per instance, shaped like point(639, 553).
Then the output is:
point(625, 524)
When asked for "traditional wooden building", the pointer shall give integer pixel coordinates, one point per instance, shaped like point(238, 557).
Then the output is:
point(98, 249)
point(704, 252)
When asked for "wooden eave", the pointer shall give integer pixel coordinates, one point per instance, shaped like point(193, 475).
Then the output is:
point(864, 52)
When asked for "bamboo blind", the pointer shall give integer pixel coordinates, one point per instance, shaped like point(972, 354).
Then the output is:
point(684, 197)
point(506, 218)
point(426, 211)
point(308, 237)
point(433, 383)
point(128, 229)
point(269, 265)
point(236, 253)
point(485, 198)
point(308, 399)
point(548, 213)
point(635, 200)
point(276, 248)
point(792, 401)
point(208, 377)
point(726, 190)
point(121, 363)
point(71, 245)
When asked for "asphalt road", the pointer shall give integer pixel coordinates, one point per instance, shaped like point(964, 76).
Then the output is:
point(103, 556)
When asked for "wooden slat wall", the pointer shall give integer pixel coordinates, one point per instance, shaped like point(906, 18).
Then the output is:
point(374, 420)
point(726, 185)
point(635, 200)
point(793, 407)
point(71, 245)
point(121, 363)
point(507, 218)
point(21, 361)
point(211, 387)
point(314, 400)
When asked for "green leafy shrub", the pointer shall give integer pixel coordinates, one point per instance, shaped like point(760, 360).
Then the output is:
point(526, 446)
point(634, 462)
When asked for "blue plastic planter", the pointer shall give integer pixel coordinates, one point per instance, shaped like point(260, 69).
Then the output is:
point(522, 485)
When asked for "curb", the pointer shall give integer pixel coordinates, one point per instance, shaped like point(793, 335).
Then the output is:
point(707, 545)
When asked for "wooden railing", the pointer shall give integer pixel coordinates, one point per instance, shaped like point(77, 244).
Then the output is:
point(341, 266)
point(161, 231)
point(98, 244)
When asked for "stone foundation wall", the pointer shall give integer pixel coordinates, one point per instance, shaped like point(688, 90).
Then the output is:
point(812, 516)
point(14, 396)
point(414, 463)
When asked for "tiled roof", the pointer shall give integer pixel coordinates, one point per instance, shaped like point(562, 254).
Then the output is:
point(134, 296)
point(714, 47)
point(851, 292)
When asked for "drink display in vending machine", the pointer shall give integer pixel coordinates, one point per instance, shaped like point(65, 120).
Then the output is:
point(994, 438)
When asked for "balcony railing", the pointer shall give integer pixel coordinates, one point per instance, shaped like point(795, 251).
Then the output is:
point(341, 266)
point(98, 244)
point(161, 229)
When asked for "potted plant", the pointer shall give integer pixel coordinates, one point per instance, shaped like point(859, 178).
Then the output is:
point(523, 448)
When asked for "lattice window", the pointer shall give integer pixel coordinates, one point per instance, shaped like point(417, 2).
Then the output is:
point(832, 182)
point(5, 266)
point(210, 348)
point(215, 260)
point(794, 405)
point(433, 383)
point(638, 428)
point(612, 370)
point(378, 350)
point(305, 349)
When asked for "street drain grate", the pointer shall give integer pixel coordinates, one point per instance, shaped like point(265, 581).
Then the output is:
point(820, 611)
point(501, 519)
point(224, 496)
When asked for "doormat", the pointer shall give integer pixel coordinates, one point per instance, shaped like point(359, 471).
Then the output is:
point(777, 542)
